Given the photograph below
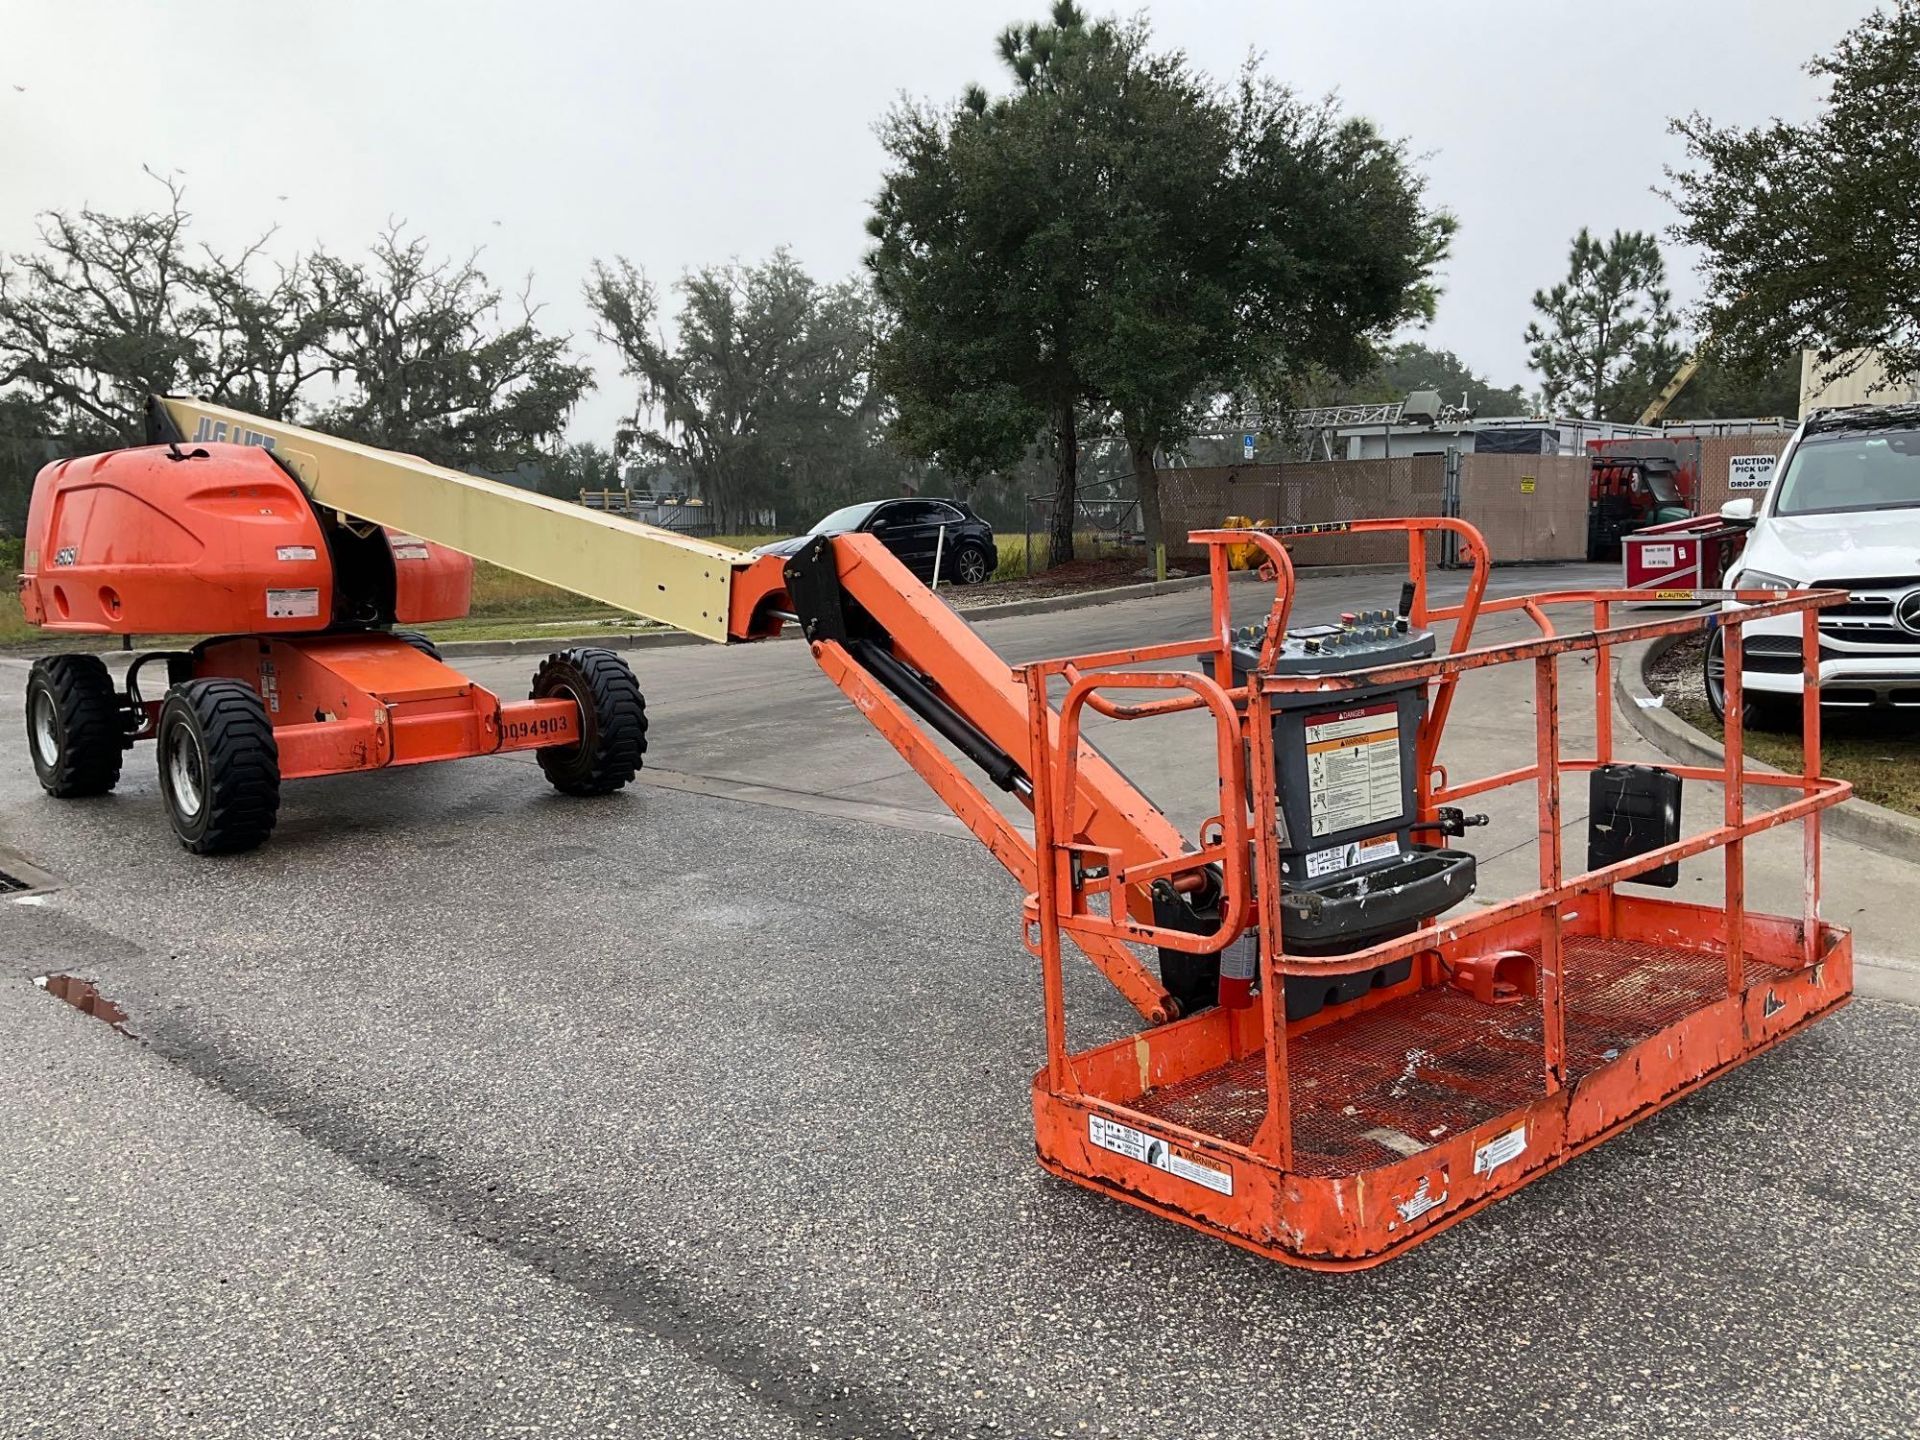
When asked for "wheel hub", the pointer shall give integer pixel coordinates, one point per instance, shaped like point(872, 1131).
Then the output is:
point(186, 770)
point(45, 728)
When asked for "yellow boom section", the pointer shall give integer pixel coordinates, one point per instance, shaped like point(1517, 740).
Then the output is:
point(1657, 406)
point(644, 570)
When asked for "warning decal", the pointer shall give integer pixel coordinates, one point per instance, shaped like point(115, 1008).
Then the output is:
point(293, 604)
point(1354, 852)
point(1353, 768)
point(1499, 1150)
point(1161, 1154)
point(1423, 1198)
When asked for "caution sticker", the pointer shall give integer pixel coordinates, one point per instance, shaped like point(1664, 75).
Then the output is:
point(1426, 1196)
point(1323, 527)
point(1160, 1154)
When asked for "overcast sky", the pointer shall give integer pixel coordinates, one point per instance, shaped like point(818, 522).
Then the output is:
point(550, 132)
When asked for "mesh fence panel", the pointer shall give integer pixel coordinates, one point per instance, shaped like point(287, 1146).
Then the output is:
point(1717, 453)
point(1529, 507)
point(1315, 492)
point(1544, 520)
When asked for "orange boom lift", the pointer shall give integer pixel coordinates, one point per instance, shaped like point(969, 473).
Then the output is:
point(1338, 1064)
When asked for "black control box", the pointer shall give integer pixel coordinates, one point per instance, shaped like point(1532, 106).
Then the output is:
point(1631, 810)
point(1344, 760)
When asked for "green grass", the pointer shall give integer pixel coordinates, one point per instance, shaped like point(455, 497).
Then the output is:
point(1880, 756)
point(14, 629)
point(507, 606)
point(498, 594)
point(531, 627)
point(1880, 753)
point(1086, 546)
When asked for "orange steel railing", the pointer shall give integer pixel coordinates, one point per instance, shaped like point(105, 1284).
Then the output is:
point(1243, 741)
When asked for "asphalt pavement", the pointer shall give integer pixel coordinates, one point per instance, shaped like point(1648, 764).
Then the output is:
point(466, 1109)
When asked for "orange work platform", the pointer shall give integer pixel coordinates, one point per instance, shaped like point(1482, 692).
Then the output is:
point(1413, 1114)
point(1489, 1046)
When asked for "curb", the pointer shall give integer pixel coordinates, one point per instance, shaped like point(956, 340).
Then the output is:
point(1861, 821)
point(974, 615)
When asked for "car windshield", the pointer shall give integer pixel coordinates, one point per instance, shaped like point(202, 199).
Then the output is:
point(847, 517)
point(1856, 470)
point(1663, 485)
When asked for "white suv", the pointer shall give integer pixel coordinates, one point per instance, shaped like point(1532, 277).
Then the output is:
point(1843, 513)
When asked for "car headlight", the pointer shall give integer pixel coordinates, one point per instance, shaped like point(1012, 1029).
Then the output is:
point(1761, 580)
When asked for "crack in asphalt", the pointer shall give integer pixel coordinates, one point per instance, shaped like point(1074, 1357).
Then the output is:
point(642, 1297)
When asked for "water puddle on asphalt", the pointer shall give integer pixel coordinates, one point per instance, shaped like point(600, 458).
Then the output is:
point(85, 997)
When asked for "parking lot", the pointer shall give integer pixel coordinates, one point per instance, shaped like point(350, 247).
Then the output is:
point(464, 1108)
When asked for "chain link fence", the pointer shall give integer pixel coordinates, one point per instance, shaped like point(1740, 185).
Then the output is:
point(1717, 468)
point(1528, 507)
point(1100, 528)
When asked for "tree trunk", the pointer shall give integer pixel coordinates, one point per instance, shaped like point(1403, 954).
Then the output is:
point(1146, 484)
point(1066, 487)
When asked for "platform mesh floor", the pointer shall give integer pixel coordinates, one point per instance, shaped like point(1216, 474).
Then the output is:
point(1371, 1088)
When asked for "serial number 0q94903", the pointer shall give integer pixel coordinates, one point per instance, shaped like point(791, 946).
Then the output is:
point(556, 726)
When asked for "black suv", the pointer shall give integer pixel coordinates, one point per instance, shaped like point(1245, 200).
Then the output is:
point(917, 530)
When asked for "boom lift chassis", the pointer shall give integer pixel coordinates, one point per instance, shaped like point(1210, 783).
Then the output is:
point(1523, 1032)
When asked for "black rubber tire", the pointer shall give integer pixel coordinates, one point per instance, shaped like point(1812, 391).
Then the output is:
point(1758, 711)
point(419, 642)
point(613, 721)
point(969, 566)
point(219, 766)
point(76, 726)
